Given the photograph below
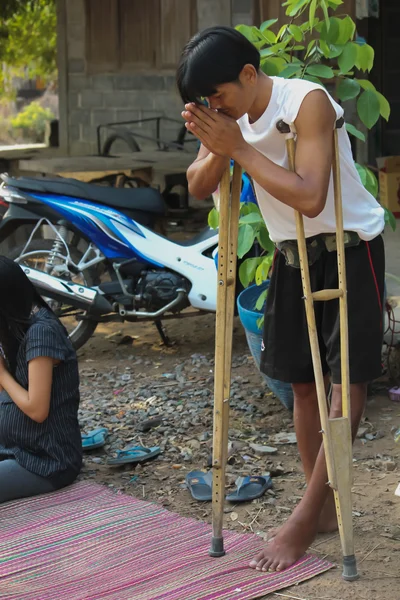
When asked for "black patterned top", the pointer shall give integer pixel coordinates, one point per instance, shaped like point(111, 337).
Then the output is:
point(52, 449)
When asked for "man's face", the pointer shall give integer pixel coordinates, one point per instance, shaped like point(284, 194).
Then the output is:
point(235, 99)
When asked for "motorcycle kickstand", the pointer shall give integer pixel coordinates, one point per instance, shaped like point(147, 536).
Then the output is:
point(163, 335)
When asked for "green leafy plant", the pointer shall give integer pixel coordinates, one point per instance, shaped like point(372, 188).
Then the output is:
point(322, 49)
point(28, 42)
point(32, 121)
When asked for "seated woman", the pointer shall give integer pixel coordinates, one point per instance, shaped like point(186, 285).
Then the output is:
point(40, 440)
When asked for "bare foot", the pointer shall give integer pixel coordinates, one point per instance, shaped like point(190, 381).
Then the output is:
point(272, 533)
point(288, 546)
point(328, 519)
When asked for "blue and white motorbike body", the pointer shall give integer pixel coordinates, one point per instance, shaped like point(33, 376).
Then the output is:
point(94, 250)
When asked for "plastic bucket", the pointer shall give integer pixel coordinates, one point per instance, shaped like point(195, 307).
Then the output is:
point(249, 316)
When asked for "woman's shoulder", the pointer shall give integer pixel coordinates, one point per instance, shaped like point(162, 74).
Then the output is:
point(46, 330)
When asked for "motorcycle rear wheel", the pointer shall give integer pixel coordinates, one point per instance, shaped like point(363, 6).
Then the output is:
point(79, 331)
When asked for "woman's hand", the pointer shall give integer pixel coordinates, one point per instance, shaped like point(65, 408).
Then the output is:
point(219, 133)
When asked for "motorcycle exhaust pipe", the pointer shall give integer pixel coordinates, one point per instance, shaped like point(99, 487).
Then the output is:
point(74, 294)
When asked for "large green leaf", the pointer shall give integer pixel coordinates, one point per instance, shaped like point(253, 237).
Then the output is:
point(335, 50)
point(248, 32)
point(347, 59)
point(262, 270)
point(267, 24)
point(384, 106)
point(332, 33)
point(320, 71)
point(273, 65)
point(260, 322)
point(245, 239)
point(269, 68)
point(247, 270)
point(269, 36)
point(365, 58)
point(362, 172)
point(296, 33)
point(294, 7)
point(347, 89)
point(253, 218)
point(390, 219)
point(311, 46)
point(366, 84)
point(264, 240)
point(356, 132)
point(213, 218)
point(371, 183)
point(275, 49)
point(325, 11)
point(324, 48)
point(313, 79)
point(368, 108)
point(261, 299)
point(347, 28)
point(290, 70)
point(282, 32)
point(311, 17)
point(248, 207)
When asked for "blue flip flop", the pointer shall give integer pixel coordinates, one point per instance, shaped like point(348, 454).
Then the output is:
point(199, 484)
point(136, 454)
point(94, 439)
point(249, 488)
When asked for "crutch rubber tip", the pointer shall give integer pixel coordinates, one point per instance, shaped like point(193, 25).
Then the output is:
point(350, 568)
point(217, 547)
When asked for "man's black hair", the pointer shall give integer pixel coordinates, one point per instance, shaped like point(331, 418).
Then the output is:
point(212, 57)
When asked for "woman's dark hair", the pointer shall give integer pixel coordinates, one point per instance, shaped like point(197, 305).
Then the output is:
point(212, 57)
point(17, 299)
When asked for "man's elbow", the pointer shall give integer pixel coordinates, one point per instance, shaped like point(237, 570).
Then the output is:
point(197, 192)
point(314, 207)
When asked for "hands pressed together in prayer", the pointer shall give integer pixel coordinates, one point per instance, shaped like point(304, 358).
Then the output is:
point(219, 133)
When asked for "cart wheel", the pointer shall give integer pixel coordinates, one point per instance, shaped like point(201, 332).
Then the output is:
point(120, 136)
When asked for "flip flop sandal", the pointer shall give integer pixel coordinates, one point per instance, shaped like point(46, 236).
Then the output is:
point(94, 439)
point(137, 454)
point(199, 485)
point(250, 488)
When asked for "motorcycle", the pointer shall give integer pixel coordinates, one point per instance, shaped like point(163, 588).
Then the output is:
point(94, 253)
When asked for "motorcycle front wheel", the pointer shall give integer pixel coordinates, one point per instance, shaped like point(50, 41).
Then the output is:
point(36, 257)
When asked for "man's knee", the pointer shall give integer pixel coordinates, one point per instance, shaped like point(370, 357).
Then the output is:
point(358, 396)
point(304, 392)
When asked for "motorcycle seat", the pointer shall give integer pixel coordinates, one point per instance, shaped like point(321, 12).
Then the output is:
point(141, 199)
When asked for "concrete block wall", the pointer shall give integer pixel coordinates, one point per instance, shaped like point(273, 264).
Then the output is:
point(95, 99)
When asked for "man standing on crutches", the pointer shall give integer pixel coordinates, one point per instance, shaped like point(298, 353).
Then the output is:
point(250, 118)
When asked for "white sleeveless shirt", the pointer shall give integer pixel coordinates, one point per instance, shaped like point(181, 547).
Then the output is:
point(361, 212)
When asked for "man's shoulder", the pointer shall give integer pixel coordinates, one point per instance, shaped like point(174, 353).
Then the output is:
point(298, 85)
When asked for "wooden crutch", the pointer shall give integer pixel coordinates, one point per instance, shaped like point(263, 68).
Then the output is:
point(227, 258)
point(336, 432)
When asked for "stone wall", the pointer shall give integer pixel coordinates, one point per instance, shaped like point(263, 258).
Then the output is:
point(88, 100)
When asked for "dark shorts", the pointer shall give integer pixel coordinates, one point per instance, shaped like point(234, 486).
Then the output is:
point(286, 354)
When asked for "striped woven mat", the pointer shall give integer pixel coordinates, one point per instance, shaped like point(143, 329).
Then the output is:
point(88, 543)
